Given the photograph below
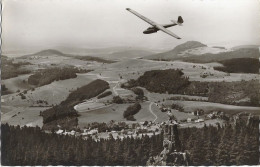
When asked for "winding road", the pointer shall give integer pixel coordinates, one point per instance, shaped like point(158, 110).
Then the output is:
point(114, 89)
point(150, 108)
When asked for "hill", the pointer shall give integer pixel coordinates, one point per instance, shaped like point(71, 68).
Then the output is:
point(96, 51)
point(245, 46)
point(239, 65)
point(64, 114)
point(9, 69)
point(128, 54)
point(47, 76)
point(172, 81)
point(209, 57)
point(197, 52)
point(172, 54)
point(52, 53)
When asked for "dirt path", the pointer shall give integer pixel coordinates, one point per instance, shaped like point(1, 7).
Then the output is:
point(150, 109)
point(114, 89)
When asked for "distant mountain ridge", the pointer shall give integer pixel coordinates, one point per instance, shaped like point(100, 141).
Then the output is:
point(193, 51)
point(246, 46)
point(110, 54)
point(47, 52)
point(52, 52)
point(188, 45)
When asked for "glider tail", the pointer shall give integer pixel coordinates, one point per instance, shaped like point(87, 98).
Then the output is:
point(179, 22)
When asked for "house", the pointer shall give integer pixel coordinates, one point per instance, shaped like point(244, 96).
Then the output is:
point(198, 112)
point(93, 131)
point(199, 120)
point(59, 131)
point(211, 116)
point(130, 133)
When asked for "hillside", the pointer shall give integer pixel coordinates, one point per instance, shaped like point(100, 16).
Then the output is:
point(209, 57)
point(55, 53)
point(97, 52)
point(64, 114)
point(9, 69)
point(128, 54)
point(174, 82)
point(47, 76)
point(239, 65)
point(172, 54)
point(245, 46)
point(197, 52)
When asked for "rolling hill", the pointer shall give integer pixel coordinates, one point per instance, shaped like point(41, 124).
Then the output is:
point(128, 54)
point(193, 51)
point(55, 53)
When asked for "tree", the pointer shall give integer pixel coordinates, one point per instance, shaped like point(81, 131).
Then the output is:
point(118, 100)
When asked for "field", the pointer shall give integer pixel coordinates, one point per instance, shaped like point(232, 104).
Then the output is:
point(208, 107)
point(29, 116)
point(31, 100)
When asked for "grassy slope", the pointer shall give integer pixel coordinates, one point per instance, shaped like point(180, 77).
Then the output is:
point(63, 113)
point(58, 53)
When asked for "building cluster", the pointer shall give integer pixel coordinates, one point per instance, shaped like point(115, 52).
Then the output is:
point(125, 130)
point(218, 114)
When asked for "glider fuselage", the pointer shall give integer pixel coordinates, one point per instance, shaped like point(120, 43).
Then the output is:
point(153, 29)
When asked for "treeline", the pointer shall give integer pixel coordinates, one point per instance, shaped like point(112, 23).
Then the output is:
point(222, 56)
point(105, 94)
point(168, 81)
point(240, 65)
point(10, 69)
point(139, 92)
point(31, 146)
point(161, 81)
point(64, 114)
point(131, 111)
point(173, 82)
point(228, 145)
point(91, 58)
point(47, 76)
point(4, 90)
point(235, 92)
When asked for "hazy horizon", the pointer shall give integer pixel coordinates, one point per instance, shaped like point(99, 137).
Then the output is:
point(32, 26)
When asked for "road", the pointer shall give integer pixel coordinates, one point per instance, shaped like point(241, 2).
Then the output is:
point(150, 109)
point(114, 89)
point(150, 106)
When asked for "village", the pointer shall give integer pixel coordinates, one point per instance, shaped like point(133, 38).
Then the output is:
point(121, 130)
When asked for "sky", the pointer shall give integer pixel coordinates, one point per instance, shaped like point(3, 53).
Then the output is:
point(34, 25)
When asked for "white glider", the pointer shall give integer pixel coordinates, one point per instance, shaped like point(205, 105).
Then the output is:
point(156, 27)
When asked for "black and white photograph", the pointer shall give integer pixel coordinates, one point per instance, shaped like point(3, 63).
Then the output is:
point(130, 82)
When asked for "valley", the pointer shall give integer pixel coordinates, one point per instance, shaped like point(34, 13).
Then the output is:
point(25, 103)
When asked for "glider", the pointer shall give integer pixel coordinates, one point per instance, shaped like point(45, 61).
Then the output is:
point(156, 27)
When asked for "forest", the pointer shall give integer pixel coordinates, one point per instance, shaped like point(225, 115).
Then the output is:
point(105, 94)
point(240, 65)
point(232, 144)
point(161, 81)
point(91, 58)
point(47, 76)
point(9, 69)
point(131, 111)
point(235, 93)
point(64, 112)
